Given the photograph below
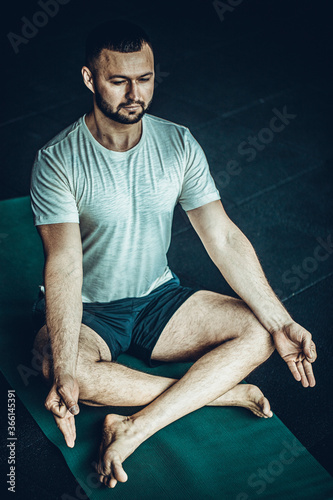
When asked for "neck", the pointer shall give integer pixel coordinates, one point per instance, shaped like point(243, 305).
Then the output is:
point(113, 135)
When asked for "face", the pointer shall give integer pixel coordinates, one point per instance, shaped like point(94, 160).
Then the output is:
point(123, 84)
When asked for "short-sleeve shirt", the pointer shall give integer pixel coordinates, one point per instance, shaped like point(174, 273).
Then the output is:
point(123, 201)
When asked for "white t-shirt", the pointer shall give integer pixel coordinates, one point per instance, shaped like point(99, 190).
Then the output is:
point(123, 201)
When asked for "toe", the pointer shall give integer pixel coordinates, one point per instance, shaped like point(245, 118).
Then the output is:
point(266, 408)
point(119, 472)
point(101, 468)
point(110, 482)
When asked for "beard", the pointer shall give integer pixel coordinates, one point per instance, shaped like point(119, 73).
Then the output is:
point(114, 113)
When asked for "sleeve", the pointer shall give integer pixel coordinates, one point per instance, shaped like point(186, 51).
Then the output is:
point(52, 200)
point(198, 185)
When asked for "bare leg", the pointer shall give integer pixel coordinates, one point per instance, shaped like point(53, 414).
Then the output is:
point(240, 346)
point(213, 375)
point(105, 383)
point(135, 388)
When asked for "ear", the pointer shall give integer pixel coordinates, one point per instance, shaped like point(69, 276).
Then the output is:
point(88, 78)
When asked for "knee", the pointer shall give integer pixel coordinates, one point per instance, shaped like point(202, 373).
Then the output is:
point(262, 342)
point(47, 370)
point(266, 344)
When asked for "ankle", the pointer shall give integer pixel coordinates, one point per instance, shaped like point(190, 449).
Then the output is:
point(139, 426)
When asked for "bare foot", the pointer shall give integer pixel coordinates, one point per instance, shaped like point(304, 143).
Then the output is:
point(120, 439)
point(248, 396)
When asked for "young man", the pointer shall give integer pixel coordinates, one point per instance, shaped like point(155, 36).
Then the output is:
point(103, 192)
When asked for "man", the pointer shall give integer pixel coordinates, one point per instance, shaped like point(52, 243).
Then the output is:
point(103, 193)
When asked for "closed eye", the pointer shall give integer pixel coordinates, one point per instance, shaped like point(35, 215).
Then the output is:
point(120, 82)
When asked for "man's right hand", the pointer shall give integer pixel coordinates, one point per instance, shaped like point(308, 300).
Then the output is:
point(62, 401)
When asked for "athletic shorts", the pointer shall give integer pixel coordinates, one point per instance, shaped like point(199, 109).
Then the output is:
point(130, 324)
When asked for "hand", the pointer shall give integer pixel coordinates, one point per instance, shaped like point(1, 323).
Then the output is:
point(62, 402)
point(294, 344)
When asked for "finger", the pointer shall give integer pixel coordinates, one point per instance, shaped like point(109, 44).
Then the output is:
point(313, 356)
point(68, 398)
point(74, 409)
point(56, 407)
point(54, 404)
point(309, 373)
point(68, 435)
point(294, 371)
point(304, 380)
point(73, 428)
point(307, 343)
point(66, 427)
point(58, 410)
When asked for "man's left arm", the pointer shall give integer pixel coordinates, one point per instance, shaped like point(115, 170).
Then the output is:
point(237, 261)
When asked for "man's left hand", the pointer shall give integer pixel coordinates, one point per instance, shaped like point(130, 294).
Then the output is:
point(295, 345)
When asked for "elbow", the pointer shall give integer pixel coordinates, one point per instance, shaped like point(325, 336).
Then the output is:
point(223, 240)
point(221, 247)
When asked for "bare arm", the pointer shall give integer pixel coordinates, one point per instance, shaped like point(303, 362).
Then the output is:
point(237, 261)
point(63, 284)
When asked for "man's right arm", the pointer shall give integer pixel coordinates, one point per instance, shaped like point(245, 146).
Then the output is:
point(63, 284)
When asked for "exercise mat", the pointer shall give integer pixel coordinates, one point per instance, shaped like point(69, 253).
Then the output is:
point(213, 453)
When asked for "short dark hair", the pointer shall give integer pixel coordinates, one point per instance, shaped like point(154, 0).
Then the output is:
point(117, 35)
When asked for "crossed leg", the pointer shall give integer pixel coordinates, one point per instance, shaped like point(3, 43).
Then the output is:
point(219, 333)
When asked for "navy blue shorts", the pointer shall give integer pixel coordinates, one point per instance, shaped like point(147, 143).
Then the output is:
point(130, 324)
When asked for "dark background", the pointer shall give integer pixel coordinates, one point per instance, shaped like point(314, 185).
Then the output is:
point(222, 76)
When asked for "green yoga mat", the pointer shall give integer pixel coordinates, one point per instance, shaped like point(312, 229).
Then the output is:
point(213, 453)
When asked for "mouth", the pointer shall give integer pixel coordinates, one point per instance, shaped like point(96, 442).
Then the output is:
point(132, 107)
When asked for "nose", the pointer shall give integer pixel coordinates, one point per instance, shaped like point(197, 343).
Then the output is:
point(133, 92)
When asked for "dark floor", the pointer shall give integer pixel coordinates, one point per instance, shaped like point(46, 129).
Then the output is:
point(225, 76)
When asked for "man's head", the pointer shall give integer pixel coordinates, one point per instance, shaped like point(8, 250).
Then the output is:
point(119, 70)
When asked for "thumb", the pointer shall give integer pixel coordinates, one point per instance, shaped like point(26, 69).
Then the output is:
point(307, 346)
point(53, 403)
point(69, 394)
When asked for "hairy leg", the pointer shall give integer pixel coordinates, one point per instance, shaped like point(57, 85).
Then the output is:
point(106, 383)
point(236, 343)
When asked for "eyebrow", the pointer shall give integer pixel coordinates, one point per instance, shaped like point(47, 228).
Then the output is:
point(126, 77)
